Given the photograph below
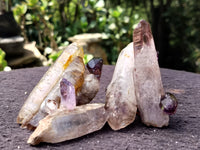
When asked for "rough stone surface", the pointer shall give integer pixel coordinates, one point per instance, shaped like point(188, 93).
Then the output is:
point(8, 25)
point(12, 46)
point(30, 57)
point(182, 133)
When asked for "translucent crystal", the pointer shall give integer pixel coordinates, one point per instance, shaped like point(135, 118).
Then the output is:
point(68, 98)
point(90, 86)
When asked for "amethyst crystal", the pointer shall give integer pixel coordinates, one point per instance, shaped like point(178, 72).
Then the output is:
point(169, 103)
point(68, 98)
point(94, 66)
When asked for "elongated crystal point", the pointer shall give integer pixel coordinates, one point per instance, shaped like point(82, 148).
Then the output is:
point(121, 103)
point(94, 66)
point(147, 77)
point(47, 83)
point(74, 74)
point(65, 125)
point(67, 91)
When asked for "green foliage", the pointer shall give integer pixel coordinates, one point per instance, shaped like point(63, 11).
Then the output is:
point(55, 55)
point(50, 23)
point(3, 62)
point(87, 58)
point(184, 41)
point(19, 11)
point(35, 16)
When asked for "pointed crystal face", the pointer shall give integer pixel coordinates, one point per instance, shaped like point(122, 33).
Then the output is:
point(169, 103)
point(147, 77)
point(64, 87)
point(95, 66)
point(68, 98)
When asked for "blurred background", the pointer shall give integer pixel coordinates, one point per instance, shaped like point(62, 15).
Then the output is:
point(34, 32)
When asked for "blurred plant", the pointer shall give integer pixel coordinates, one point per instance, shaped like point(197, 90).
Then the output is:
point(3, 62)
point(5, 5)
point(37, 14)
point(50, 23)
point(54, 21)
point(53, 56)
point(19, 14)
point(87, 58)
point(114, 21)
point(183, 49)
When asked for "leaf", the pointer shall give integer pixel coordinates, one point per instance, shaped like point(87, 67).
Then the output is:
point(20, 10)
point(84, 22)
point(28, 16)
point(44, 3)
point(87, 58)
point(92, 24)
point(112, 26)
point(100, 4)
point(55, 55)
point(3, 62)
point(32, 3)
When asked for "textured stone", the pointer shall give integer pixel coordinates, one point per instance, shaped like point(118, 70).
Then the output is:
point(29, 57)
point(32, 48)
point(23, 60)
point(12, 45)
point(182, 133)
point(8, 25)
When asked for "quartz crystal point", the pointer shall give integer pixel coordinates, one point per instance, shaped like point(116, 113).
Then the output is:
point(47, 107)
point(48, 81)
point(147, 78)
point(74, 74)
point(68, 97)
point(121, 102)
point(64, 125)
point(90, 86)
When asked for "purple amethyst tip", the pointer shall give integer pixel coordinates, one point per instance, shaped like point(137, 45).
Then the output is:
point(95, 66)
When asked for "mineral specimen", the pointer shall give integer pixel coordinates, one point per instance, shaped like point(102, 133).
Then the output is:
point(48, 81)
point(64, 125)
point(120, 95)
point(90, 86)
point(147, 78)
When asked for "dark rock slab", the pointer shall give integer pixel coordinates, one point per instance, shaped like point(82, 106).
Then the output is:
point(8, 25)
point(183, 131)
point(13, 46)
